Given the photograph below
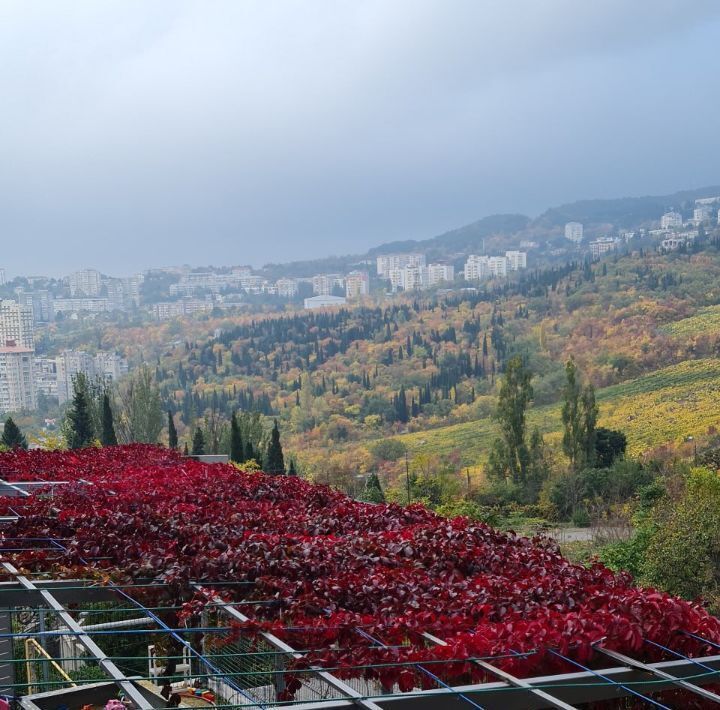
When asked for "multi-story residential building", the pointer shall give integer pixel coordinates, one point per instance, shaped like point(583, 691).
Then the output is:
point(516, 260)
point(68, 364)
point(574, 232)
point(287, 288)
point(671, 220)
point(87, 282)
point(601, 246)
point(397, 261)
point(437, 273)
point(40, 302)
point(79, 305)
point(497, 265)
point(702, 213)
point(529, 244)
point(476, 267)
point(17, 378)
point(357, 284)
point(324, 284)
point(185, 307)
point(106, 366)
point(16, 324)
point(2, 277)
point(46, 376)
point(718, 217)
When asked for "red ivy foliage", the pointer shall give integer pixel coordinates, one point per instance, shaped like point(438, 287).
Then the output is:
point(326, 566)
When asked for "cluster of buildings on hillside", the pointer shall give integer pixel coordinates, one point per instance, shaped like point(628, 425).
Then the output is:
point(23, 376)
point(488, 267)
point(673, 233)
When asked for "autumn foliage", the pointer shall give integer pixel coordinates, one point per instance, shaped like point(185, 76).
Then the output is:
point(335, 569)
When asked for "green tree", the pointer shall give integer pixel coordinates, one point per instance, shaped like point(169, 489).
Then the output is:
point(79, 426)
point(198, 443)
point(237, 451)
point(141, 417)
point(510, 456)
point(275, 462)
point(108, 436)
point(579, 418)
point(683, 554)
point(572, 417)
point(12, 437)
point(373, 492)
point(609, 445)
point(172, 432)
point(292, 471)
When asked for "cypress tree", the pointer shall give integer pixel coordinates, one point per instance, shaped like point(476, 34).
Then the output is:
point(172, 432)
point(249, 452)
point(291, 469)
point(12, 437)
point(198, 443)
point(108, 437)
point(81, 432)
point(236, 442)
point(186, 452)
point(275, 464)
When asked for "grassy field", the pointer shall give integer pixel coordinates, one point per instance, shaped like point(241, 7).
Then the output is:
point(666, 406)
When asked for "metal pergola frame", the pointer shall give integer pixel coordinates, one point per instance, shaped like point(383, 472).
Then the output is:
point(629, 677)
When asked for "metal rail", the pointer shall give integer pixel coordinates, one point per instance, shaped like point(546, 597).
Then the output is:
point(104, 662)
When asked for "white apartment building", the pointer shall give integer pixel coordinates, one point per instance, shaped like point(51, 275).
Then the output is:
point(702, 213)
point(87, 282)
point(357, 284)
point(718, 217)
point(397, 261)
point(17, 379)
point(437, 273)
point(286, 288)
point(476, 268)
point(16, 324)
point(601, 246)
point(109, 367)
point(574, 232)
point(516, 260)
point(79, 305)
point(671, 220)
point(46, 376)
point(323, 284)
point(497, 265)
point(175, 309)
point(40, 302)
point(2, 277)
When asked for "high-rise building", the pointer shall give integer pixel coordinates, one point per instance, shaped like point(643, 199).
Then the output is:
point(516, 260)
point(2, 277)
point(476, 267)
point(68, 364)
point(40, 302)
point(438, 273)
point(286, 288)
point(701, 213)
point(16, 324)
point(602, 246)
point(17, 378)
point(498, 265)
point(324, 284)
point(357, 284)
point(671, 220)
point(87, 282)
point(574, 232)
point(397, 261)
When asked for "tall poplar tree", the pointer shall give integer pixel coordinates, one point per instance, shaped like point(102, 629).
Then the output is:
point(572, 420)
point(510, 456)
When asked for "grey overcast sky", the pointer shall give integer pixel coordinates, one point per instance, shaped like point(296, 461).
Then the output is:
point(137, 134)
